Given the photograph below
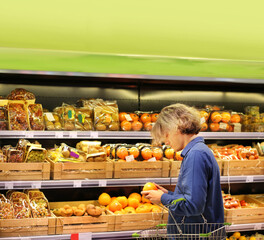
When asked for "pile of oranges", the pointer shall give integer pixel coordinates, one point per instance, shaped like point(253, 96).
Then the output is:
point(137, 122)
point(135, 203)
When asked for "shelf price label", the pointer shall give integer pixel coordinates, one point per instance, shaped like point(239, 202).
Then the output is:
point(81, 236)
point(94, 134)
point(29, 134)
point(9, 185)
point(250, 179)
point(77, 183)
point(102, 183)
point(58, 134)
point(73, 134)
point(258, 226)
point(36, 185)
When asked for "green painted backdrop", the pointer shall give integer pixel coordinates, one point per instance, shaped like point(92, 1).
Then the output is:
point(168, 37)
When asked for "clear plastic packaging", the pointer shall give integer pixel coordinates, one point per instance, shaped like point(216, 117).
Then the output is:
point(84, 121)
point(21, 205)
point(21, 94)
point(35, 115)
point(3, 118)
point(36, 154)
point(18, 118)
point(95, 152)
point(219, 121)
point(67, 113)
point(14, 155)
point(6, 208)
point(52, 121)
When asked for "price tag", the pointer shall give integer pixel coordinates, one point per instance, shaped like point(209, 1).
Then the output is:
point(85, 236)
point(36, 185)
point(58, 134)
point(77, 183)
point(128, 118)
point(258, 226)
point(29, 134)
point(102, 183)
point(130, 158)
point(25, 238)
point(237, 127)
point(202, 120)
point(250, 179)
point(94, 134)
point(73, 134)
point(153, 159)
point(223, 125)
point(9, 185)
point(50, 117)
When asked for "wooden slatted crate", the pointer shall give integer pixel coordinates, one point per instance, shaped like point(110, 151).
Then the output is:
point(27, 227)
point(92, 170)
point(126, 222)
point(79, 224)
point(141, 169)
point(243, 167)
point(24, 171)
point(245, 215)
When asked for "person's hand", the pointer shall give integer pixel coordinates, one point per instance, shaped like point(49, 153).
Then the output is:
point(161, 188)
point(153, 195)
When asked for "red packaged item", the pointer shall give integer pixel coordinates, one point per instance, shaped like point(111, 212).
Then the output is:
point(15, 155)
point(35, 115)
point(18, 119)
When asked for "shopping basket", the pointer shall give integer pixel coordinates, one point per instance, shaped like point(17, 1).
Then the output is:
point(184, 231)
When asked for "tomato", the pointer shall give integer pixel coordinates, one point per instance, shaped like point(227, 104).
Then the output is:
point(227, 204)
point(234, 204)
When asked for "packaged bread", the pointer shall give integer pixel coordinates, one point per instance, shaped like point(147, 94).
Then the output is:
point(106, 117)
point(83, 119)
point(35, 115)
point(17, 115)
point(52, 121)
point(6, 208)
point(3, 118)
point(67, 113)
point(21, 94)
point(95, 152)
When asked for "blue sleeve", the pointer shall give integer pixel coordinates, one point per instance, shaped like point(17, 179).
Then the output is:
point(192, 186)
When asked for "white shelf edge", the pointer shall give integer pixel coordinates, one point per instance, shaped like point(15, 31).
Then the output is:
point(89, 183)
point(119, 135)
point(128, 234)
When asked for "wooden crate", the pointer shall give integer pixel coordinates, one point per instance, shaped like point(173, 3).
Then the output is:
point(125, 222)
point(24, 171)
point(175, 167)
point(92, 170)
point(141, 169)
point(245, 215)
point(79, 224)
point(243, 167)
point(27, 227)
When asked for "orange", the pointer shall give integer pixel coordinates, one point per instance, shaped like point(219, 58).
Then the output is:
point(146, 153)
point(214, 127)
point(148, 126)
point(149, 186)
point(216, 117)
point(242, 238)
point(107, 118)
point(156, 209)
point(113, 153)
point(122, 153)
point(169, 153)
point(121, 160)
point(123, 200)
point(145, 117)
point(154, 117)
point(136, 196)
point(118, 212)
point(122, 116)
point(204, 115)
point(129, 210)
point(235, 118)
point(204, 127)
point(236, 235)
point(226, 116)
point(134, 151)
point(133, 202)
point(134, 116)
point(157, 153)
point(113, 198)
point(216, 108)
point(178, 156)
point(104, 199)
point(137, 126)
point(107, 149)
point(126, 125)
point(143, 209)
point(115, 206)
point(145, 200)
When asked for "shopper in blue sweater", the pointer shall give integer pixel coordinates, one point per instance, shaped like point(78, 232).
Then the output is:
point(199, 180)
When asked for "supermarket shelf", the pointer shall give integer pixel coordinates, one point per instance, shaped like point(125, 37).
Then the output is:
point(119, 135)
point(53, 184)
point(234, 179)
point(128, 234)
point(89, 183)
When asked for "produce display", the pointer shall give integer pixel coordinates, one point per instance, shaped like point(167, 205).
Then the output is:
point(241, 236)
